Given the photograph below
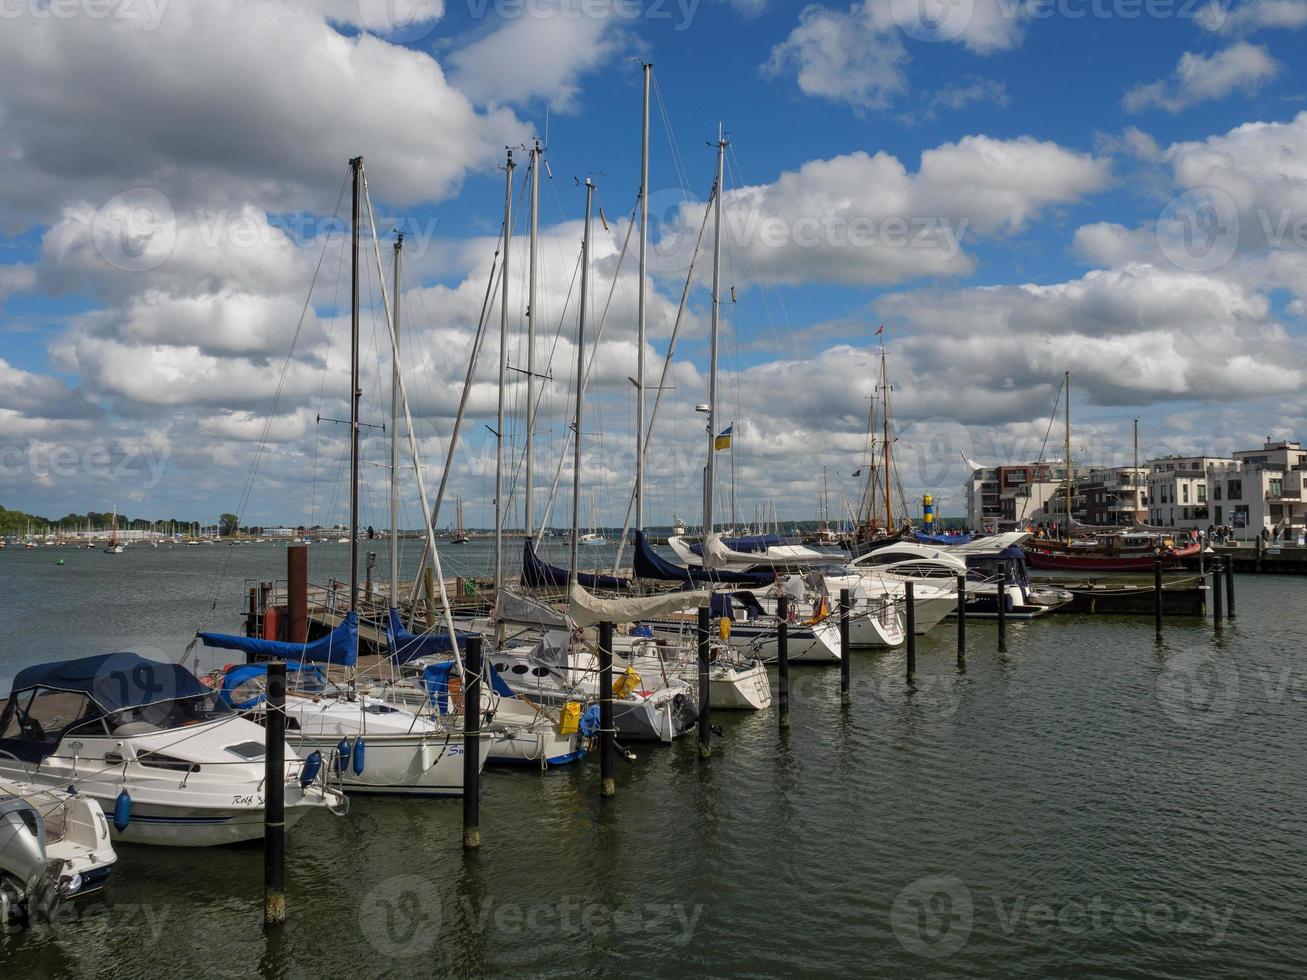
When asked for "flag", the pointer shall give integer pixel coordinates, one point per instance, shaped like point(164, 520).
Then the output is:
point(723, 441)
point(880, 330)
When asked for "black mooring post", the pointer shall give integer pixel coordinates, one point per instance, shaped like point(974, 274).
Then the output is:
point(607, 782)
point(846, 606)
point(1001, 598)
point(910, 628)
point(1218, 612)
point(1229, 587)
point(705, 702)
point(962, 620)
point(274, 798)
point(783, 659)
point(472, 744)
point(1157, 597)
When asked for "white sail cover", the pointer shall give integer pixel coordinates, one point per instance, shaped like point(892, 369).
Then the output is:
point(520, 610)
point(587, 609)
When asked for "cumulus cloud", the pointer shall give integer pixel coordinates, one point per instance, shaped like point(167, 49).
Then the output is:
point(1254, 15)
point(1200, 78)
point(866, 219)
point(540, 54)
point(205, 110)
point(858, 55)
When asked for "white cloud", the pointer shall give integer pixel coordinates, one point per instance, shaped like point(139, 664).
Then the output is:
point(1253, 15)
point(1200, 78)
point(866, 219)
point(208, 110)
point(858, 55)
point(540, 54)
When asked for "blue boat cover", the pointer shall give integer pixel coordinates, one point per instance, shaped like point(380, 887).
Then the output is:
point(115, 681)
point(537, 574)
point(651, 565)
point(406, 647)
point(436, 680)
point(340, 646)
point(237, 676)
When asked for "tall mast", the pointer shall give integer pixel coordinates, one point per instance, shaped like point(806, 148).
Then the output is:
point(580, 382)
point(528, 511)
point(640, 328)
point(884, 421)
point(503, 368)
point(355, 392)
point(1134, 481)
point(710, 471)
point(394, 436)
point(1066, 387)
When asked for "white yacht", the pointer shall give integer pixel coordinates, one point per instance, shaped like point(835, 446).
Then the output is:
point(147, 742)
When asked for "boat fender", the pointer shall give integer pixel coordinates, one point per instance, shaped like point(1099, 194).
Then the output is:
point(342, 756)
point(312, 766)
point(122, 811)
point(724, 628)
point(358, 757)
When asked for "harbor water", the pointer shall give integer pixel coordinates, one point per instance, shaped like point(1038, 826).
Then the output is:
point(1085, 804)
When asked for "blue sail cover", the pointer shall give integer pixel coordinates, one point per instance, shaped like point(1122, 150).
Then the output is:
point(537, 574)
point(245, 673)
point(651, 565)
point(340, 646)
point(115, 681)
point(406, 647)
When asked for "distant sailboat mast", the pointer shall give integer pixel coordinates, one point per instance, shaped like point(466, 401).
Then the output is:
point(580, 386)
point(355, 392)
point(503, 368)
point(528, 509)
point(640, 318)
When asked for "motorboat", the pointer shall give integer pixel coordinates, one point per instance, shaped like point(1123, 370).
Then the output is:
point(54, 845)
point(148, 742)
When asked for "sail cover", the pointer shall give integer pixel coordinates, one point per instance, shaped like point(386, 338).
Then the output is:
point(651, 565)
point(589, 610)
point(340, 646)
point(520, 610)
point(406, 647)
point(537, 574)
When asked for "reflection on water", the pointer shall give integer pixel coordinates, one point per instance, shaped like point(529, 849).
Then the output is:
point(1085, 802)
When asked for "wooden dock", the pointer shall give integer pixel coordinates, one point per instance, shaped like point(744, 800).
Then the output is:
point(1122, 597)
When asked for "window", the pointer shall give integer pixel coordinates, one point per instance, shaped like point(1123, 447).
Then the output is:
point(1218, 512)
point(1276, 488)
point(1216, 489)
point(1184, 493)
point(1234, 490)
point(1202, 493)
point(43, 714)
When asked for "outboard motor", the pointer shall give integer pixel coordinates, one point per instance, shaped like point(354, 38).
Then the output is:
point(29, 882)
point(684, 713)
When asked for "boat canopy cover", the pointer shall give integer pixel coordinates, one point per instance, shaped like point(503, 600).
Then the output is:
point(586, 609)
point(115, 681)
point(436, 680)
point(651, 565)
point(751, 542)
point(340, 646)
point(522, 610)
point(406, 647)
point(244, 674)
point(537, 574)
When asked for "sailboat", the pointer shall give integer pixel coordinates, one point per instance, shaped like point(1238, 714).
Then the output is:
point(114, 548)
point(1102, 550)
point(460, 533)
point(593, 537)
point(373, 746)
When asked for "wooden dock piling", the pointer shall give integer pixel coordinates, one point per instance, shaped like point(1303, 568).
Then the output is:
point(1001, 599)
point(705, 700)
point(910, 627)
point(297, 593)
point(1229, 589)
point(1157, 597)
point(607, 781)
point(472, 744)
point(962, 621)
point(783, 660)
point(846, 605)
point(1218, 612)
point(274, 798)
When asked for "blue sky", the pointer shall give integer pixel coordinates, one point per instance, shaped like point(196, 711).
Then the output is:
point(1067, 145)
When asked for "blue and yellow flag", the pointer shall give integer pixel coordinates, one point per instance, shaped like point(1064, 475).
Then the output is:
point(723, 440)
